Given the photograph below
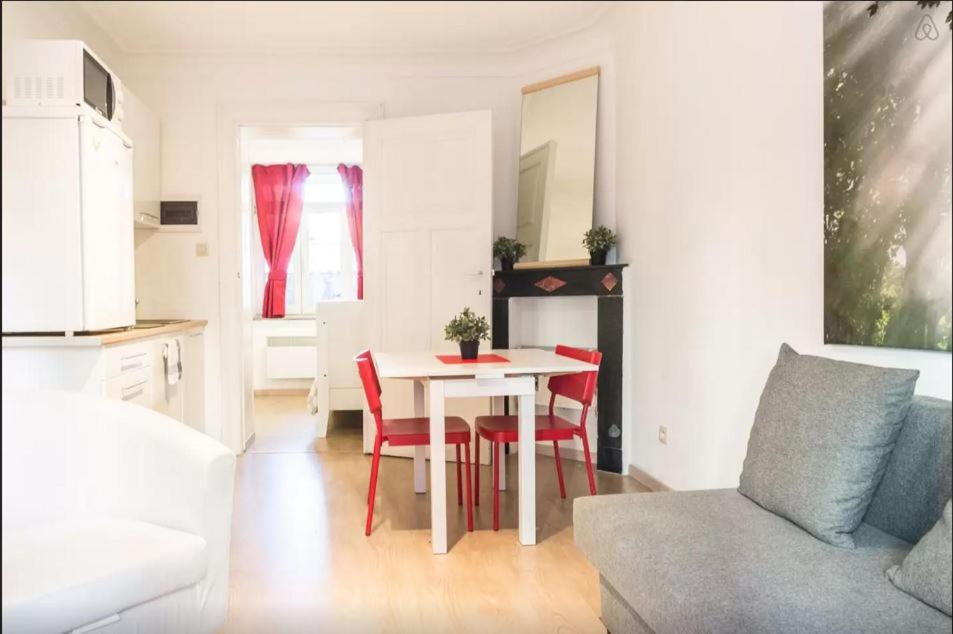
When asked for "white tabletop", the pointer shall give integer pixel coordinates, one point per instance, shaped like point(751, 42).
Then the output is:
point(407, 365)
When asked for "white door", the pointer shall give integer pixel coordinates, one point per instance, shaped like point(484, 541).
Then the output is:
point(428, 216)
point(107, 226)
point(532, 215)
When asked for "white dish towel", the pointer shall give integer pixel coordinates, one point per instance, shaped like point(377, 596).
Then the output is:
point(172, 354)
point(313, 400)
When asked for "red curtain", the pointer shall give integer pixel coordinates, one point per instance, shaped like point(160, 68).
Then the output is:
point(353, 179)
point(278, 201)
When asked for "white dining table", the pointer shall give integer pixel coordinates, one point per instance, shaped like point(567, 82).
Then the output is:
point(516, 378)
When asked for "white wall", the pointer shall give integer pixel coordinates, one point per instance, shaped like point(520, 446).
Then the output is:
point(719, 163)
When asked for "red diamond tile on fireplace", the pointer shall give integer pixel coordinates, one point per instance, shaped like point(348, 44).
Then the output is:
point(498, 285)
point(609, 281)
point(550, 283)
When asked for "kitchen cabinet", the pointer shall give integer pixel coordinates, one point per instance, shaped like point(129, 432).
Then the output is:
point(124, 365)
point(169, 396)
point(142, 126)
point(194, 364)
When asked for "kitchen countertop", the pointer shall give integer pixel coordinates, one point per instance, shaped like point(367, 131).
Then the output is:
point(98, 339)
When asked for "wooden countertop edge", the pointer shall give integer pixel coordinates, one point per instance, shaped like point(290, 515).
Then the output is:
point(103, 339)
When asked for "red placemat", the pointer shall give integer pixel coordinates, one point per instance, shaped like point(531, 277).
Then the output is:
point(483, 358)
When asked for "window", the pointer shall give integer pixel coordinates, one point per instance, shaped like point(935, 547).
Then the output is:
point(322, 265)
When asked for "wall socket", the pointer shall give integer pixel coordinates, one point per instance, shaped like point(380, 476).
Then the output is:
point(663, 434)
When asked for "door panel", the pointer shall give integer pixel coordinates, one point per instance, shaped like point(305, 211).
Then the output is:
point(427, 229)
point(532, 215)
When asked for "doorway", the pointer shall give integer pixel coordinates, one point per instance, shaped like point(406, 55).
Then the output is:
point(288, 366)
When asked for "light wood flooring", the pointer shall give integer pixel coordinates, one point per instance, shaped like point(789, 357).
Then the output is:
point(300, 561)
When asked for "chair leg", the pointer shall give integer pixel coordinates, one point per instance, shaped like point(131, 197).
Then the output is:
point(585, 451)
point(466, 450)
point(559, 470)
point(476, 473)
point(375, 465)
point(496, 486)
point(459, 478)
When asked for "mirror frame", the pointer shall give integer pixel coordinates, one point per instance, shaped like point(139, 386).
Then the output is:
point(543, 85)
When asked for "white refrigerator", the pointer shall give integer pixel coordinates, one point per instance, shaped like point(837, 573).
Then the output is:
point(67, 225)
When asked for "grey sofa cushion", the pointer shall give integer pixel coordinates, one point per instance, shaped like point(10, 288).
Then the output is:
point(714, 561)
point(917, 482)
point(821, 439)
point(927, 571)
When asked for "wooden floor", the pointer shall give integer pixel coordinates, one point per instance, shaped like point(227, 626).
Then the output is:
point(300, 561)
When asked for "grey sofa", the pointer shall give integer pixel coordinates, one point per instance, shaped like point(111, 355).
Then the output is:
point(714, 561)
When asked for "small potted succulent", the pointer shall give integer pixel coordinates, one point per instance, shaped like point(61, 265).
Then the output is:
point(598, 241)
point(508, 251)
point(467, 329)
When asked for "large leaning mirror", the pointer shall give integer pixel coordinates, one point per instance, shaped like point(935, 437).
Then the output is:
point(557, 168)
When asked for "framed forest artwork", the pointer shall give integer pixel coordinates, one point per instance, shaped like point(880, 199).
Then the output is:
point(887, 174)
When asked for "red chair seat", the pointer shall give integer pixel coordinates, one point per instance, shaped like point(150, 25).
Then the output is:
point(416, 431)
point(504, 428)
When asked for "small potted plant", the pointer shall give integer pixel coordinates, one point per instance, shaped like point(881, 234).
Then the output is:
point(508, 251)
point(598, 241)
point(467, 329)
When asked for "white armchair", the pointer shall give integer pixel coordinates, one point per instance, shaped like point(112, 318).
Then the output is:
point(115, 518)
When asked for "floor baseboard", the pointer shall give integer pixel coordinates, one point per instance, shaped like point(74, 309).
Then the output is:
point(646, 480)
point(564, 452)
point(294, 391)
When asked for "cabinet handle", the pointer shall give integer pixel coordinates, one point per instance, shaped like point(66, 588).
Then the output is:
point(131, 363)
point(132, 395)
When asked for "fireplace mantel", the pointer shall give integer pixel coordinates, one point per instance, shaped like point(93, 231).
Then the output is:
point(603, 282)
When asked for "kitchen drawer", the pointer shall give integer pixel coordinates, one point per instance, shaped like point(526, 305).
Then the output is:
point(134, 386)
point(125, 358)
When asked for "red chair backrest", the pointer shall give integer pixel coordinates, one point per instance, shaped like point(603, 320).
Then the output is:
point(372, 386)
point(581, 386)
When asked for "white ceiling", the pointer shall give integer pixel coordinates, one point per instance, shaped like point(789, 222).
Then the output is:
point(382, 27)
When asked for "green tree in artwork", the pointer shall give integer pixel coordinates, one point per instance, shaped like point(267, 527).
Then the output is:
point(886, 184)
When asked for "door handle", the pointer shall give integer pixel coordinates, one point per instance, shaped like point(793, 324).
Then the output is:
point(474, 273)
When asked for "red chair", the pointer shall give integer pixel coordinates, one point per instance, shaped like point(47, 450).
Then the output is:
point(580, 387)
point(408, 432)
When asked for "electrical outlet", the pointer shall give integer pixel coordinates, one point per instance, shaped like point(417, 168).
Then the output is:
point(201, 249)
point(663, 434)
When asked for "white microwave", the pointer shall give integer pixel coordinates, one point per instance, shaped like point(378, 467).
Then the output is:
point(61, 73)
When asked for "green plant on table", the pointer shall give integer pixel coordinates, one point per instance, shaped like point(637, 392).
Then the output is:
point(467, 326)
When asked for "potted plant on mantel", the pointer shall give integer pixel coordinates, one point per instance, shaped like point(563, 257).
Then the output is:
point(598, 241)
point(467, 329)
point(508, 251)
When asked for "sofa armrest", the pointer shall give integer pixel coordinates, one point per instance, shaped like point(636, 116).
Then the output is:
point(67, 454)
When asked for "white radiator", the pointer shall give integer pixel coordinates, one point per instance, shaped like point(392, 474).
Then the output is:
point(290, 357)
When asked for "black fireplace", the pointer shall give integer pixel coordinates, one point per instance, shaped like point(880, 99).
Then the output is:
point(603, 282)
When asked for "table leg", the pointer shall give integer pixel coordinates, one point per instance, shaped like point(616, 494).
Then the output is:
point(498, 410)
point(438, 469)
point(420, 455)
point(527, 468)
